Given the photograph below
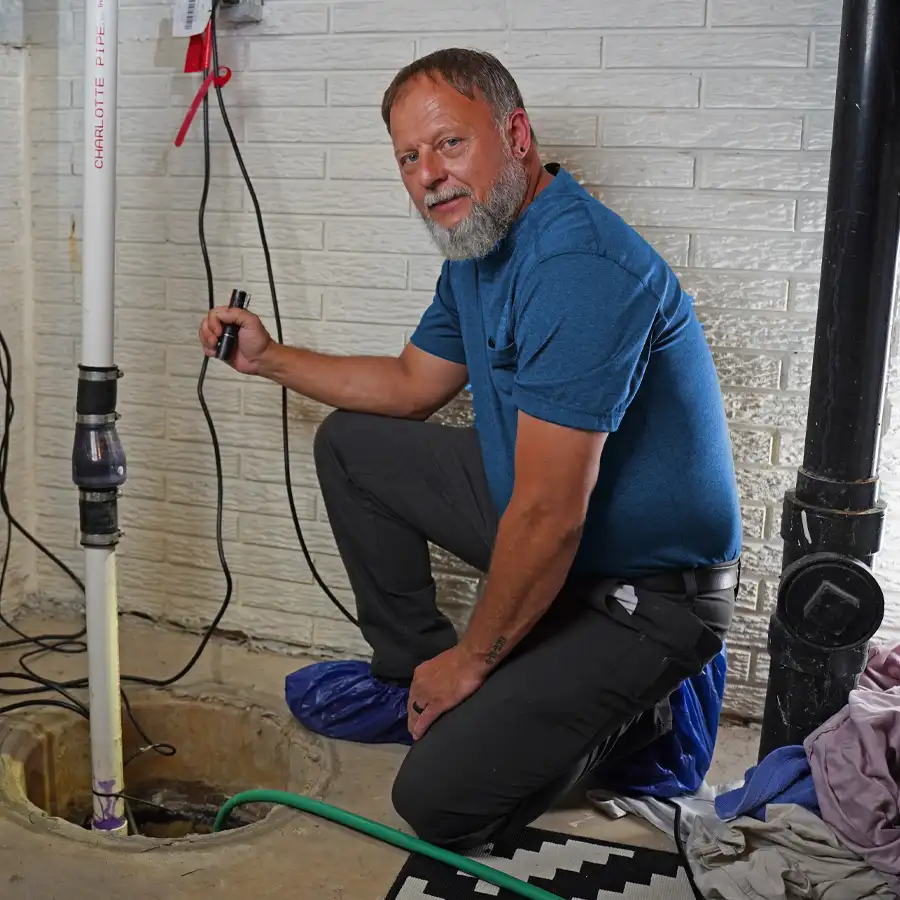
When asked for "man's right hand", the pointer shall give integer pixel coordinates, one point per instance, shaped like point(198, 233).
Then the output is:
point(253, 341)
point(412, 385)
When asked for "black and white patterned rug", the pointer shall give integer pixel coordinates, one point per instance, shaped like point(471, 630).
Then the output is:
point(576, 868)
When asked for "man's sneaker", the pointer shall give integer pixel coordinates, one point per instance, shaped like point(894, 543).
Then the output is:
point(344, 700)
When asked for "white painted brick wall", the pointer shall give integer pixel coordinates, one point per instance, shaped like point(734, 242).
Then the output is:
point(15, 311)
point(705, 123)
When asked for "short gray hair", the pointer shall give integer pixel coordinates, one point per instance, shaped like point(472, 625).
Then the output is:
point(466, 71)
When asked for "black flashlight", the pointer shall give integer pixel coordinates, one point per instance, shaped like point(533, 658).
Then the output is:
point(225, 346)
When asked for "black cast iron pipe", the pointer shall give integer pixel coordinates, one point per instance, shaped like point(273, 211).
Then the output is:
point(829, 603)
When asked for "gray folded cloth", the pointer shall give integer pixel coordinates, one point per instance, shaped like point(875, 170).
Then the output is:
point(793, 855)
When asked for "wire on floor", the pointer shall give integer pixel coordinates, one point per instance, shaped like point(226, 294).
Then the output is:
point(682, 853)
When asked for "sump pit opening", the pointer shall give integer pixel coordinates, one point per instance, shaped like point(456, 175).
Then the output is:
point(223, 745)
point(171, 809)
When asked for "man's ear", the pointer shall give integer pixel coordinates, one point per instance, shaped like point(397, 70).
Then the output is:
point(519, 132)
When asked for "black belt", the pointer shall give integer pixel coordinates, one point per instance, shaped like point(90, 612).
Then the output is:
point(721, 577)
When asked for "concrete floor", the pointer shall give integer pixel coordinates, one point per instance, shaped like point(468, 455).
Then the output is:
point(306, 859)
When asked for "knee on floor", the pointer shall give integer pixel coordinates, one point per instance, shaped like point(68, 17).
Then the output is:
point(431, 808)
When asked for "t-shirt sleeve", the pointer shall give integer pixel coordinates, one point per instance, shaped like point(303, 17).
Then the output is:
point(582, 328)
point(438, 331)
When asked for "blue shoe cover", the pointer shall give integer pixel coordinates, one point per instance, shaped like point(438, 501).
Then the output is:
point(343, 700)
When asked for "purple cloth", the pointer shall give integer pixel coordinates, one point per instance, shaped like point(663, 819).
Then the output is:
point(882, 670)
point(855, 762)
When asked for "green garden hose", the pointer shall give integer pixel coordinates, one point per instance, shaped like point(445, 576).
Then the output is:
point(388, 835)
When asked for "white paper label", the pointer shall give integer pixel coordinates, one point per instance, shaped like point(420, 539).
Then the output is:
point(190, 17)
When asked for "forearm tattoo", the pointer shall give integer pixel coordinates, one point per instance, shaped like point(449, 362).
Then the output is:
point(491, 658)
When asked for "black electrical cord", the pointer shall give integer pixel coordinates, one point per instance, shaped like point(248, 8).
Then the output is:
point(217, 454)
point(682, 853)
point(285, 431)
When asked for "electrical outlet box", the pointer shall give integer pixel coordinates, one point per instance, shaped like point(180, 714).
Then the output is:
point(241, 12)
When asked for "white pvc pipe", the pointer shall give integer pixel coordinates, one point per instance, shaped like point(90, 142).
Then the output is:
point(103, 677)
point(99, 212)
point(98, 317)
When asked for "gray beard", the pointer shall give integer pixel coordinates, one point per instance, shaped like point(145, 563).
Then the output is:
point(487, 223)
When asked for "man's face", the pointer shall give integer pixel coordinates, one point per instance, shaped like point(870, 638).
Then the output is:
point(457, 166)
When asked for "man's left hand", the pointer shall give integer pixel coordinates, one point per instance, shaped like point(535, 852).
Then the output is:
point(438, 685)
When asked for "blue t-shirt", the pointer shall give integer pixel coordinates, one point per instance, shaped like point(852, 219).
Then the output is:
point(574, 318)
